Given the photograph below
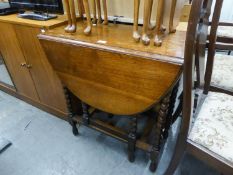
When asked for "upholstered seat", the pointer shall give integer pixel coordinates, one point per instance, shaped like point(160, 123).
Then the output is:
point(213, 127)
point(224, 31)
point(223, 71)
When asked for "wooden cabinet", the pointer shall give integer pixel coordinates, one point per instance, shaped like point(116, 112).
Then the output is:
point(14, 59)
point(26, 61)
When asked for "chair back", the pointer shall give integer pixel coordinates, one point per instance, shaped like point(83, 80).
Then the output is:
point(196, 38)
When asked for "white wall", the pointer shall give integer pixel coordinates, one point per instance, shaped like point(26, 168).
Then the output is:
point(227, 11)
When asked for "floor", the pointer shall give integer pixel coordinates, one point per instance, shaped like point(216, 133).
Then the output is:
point(43, 144)
point(4, 75)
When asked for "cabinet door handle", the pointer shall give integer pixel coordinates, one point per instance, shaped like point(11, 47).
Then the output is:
point(23, 64)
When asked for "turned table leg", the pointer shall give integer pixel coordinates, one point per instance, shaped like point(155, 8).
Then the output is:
point(171, 110)
point(86, 116)
point(70, 112)
point(132, 137)
point(157, 132)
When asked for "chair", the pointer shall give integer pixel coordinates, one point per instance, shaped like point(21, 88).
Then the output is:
point(222, 65)
point(225, 35)
point(207, 133)
point(220, 80)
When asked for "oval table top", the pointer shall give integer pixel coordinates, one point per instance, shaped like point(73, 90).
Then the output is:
point(112, 73)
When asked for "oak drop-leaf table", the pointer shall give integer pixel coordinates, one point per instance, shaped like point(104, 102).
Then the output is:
point(109, 72)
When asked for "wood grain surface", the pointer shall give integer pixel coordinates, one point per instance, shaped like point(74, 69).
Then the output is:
point(118, 80)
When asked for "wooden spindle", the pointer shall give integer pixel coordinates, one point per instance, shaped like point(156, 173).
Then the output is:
point(136, 34)
point(105, 12)
point(67, 7)
point(172, 14)
point(160, 11)
point(99, 11)
point(72, 29)
point(94, 11)
point(146, 20)
point(88, 15)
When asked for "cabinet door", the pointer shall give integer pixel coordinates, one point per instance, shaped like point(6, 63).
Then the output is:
point(47, 84)
point(13, 56)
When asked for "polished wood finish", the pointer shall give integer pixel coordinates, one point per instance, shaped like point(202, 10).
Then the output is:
point(158, 129)
point(118, 88)
point(28, 66)
point(118, 37)
point(15, 61)
point(193, 36)
point(90, 62)
point(44, 78)
point(108, 71)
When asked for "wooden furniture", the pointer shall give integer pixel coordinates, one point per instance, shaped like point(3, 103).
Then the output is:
point(220, 79)
point(28, 66)
point(109, 72)
point(148, 4)
point(185, 13)
point(209, 138)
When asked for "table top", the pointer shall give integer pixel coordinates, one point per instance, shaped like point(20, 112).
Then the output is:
point(117, 76)
point(120, 36)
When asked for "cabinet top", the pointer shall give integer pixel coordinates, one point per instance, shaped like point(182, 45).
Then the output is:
point(13, 19)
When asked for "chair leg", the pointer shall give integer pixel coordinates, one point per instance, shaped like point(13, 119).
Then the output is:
point(157, 133)
point(132, 137)
point(177, 156)
point(70, 112)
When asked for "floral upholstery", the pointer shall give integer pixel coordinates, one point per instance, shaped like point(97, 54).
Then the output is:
point(213, 127)
point(223, 71)
point(224, 31)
